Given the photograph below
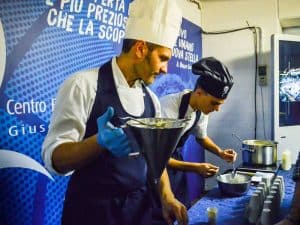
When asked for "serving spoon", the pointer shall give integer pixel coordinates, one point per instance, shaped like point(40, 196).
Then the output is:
point(233, 172)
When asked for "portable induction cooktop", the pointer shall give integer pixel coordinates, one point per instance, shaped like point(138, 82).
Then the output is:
point(259, 168)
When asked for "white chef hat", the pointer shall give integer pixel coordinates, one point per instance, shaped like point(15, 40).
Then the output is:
point(155, 21)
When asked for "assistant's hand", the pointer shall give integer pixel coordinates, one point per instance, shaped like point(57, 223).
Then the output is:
point(112, 138)
point(171, 208)
point(229, 155)
point(206, 169)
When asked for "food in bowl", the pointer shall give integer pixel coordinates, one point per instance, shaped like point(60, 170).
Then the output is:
point(157, 123)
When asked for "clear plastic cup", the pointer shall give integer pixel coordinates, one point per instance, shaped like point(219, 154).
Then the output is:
point(212, 214)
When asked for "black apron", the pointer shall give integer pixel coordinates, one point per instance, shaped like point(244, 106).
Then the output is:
point(111, 190)
point(178, 179)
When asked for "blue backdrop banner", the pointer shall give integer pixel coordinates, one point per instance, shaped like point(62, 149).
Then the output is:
point(41, 44)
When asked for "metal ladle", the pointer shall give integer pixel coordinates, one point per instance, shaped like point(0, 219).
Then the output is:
point(233, 172)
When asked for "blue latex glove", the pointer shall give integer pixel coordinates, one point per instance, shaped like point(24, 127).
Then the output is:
point(112, 138)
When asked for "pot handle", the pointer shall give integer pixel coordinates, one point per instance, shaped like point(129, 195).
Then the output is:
point(248, 150)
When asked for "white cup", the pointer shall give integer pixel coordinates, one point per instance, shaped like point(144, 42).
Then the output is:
point(272, 199)
point(266, 217)
point(277, 186)
point(266, 177)
point(264, 186)
point(263, 193)
point(281, 181)
point(212, 213)
point(276, 201)
point(268, 204)
point(286, 161)
point(260, 193)
point(254, 207)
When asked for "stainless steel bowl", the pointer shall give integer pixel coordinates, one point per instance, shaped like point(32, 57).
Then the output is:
point(233, 186)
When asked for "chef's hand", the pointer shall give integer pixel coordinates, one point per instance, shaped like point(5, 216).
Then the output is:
point(206, 169)
point(229, 155)
point(112, 138)
point(171, 208)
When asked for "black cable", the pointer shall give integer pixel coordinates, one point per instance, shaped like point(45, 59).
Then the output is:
point(228, 31)
point(263, 112)
point(254, 31)
point(255, 82)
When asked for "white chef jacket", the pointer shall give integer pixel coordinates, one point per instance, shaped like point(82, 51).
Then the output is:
point(170, 109)
point(74, 104)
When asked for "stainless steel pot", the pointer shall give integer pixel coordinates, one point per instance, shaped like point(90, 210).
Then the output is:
point(259, 152)
point(233, 186)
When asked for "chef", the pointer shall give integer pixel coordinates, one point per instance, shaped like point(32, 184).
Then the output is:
point(84, 138)
point(211, 91)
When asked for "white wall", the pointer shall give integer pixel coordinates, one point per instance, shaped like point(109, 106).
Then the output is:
point(289, 15)
point(190, 11)
point(236, 50)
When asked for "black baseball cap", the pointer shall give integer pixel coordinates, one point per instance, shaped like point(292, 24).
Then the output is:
point(214, 78)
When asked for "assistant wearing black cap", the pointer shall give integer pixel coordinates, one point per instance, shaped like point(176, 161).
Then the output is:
point(214, 78)
point(209, 94)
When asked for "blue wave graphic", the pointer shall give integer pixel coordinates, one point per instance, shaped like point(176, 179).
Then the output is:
point(11, 159)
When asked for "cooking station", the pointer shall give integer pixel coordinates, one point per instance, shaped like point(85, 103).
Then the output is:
point(231, 210)
point(230, 201)
point(258, 168)
point(261, 165)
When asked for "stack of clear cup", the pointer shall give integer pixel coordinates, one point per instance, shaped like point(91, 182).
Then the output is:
point(266, 217)
point(254, 208)
point(263, 185)
point(279, 181)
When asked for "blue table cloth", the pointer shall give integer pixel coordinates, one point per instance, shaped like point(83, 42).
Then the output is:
point(231, 210)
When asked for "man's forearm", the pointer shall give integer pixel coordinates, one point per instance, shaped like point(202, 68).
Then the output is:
point(208, 144)
point(180, 165)
point(165, 190)
point(73, 155)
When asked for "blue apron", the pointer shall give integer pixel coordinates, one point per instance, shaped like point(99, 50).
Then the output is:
point(178, 179)
point(111, 190)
